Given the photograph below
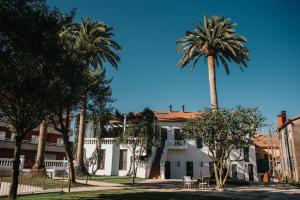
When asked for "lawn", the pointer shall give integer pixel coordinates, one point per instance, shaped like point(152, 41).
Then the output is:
point(122, 195)
point(42, 181)
point(126, 180)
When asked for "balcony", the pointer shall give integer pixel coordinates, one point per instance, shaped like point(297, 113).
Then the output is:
point(181, 144)
point(8, 143)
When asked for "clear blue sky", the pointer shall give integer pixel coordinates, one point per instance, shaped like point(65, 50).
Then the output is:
point(148, 75)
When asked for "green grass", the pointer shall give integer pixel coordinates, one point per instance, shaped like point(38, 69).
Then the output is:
point(41, 181)
point(126, 180)
point(122, 195)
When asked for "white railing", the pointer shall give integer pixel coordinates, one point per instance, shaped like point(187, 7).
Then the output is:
point(56, 164)
point(7, 163)
point(104, 140)
point(176, 144)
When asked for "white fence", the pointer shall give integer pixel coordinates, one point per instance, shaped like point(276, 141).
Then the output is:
point(52, 166)
point(7, 163)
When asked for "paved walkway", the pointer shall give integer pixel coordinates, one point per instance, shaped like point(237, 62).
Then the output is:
point(279, 191)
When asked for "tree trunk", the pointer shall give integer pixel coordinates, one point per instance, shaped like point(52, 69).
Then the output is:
point(69, 158)
point(133, 172)
point(39, 162)
point(15, 170)
point(80, 167)
point(212, 82)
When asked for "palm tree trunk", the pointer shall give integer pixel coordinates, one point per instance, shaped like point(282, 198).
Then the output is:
point(80, 167)
point(39, 162)
point(15, 169)
point(212, 82)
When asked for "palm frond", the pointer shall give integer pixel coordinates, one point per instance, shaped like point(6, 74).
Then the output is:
point(217, 36)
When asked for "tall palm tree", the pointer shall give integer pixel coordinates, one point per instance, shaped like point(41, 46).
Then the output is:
point(95, 47)
point(40, 156)
point(216, 41)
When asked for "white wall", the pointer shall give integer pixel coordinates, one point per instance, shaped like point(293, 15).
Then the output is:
point(195, 155)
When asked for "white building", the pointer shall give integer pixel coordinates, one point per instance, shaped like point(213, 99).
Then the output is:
point(173, 160)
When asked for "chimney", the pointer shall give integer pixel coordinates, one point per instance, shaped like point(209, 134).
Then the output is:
point(279, 121)
point(182, 108)
point(170, 108)
point(283, 116)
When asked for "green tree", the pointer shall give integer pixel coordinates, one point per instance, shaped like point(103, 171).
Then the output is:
point(33, 68)
point(139, 137)
point(232, 128)
point(216, 41)
point(93, 43)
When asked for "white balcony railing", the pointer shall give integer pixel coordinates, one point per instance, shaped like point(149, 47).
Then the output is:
point(7, 163)
point(175, 144)
point(56, 164)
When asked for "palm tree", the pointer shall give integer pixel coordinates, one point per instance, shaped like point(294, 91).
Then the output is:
point(40, 157)
point(95, 46)
point(216, 41)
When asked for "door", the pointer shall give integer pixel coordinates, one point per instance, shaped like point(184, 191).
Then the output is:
point(167, 170)
point(251, 174)
point(189, 168)
point(234, 171)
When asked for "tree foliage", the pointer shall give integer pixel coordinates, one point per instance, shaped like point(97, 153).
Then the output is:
point(222, 131)
point(141, 134)
point(37, 71)
point(217, 37)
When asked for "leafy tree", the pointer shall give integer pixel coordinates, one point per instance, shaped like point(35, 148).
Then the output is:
point(141, 134)
point(222, 131)
point(216, 41)
point(34, 68)
point(94, 46)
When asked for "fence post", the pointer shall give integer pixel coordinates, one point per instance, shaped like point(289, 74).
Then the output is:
point(22, 160)
point(69, 182)
point(62, 183)
point(44, 186)
point(31, 185)
point(1, 174)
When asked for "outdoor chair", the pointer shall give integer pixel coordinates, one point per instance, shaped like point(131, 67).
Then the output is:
point(204, 183)
point(187, 182)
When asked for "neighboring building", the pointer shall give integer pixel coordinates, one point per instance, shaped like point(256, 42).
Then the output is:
point(54, 146)
point(289, 139)
point(267, 154)
point(175, 157)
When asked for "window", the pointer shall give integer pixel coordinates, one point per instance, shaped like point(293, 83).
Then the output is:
point(59, 141)
point(164, 136)
point(234, 171)
point(246, 154)
point(101, 159)
point(123, 159)
point(199, 142)
point(2, 135)
point(34, 139)
point(177, 135)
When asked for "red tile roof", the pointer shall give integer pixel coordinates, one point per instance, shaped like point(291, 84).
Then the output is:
point(265, 141)
point(175, 116)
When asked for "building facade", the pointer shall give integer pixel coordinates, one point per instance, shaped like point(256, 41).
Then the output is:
point(174, 158)
point(54, 145)
point(289, 140)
